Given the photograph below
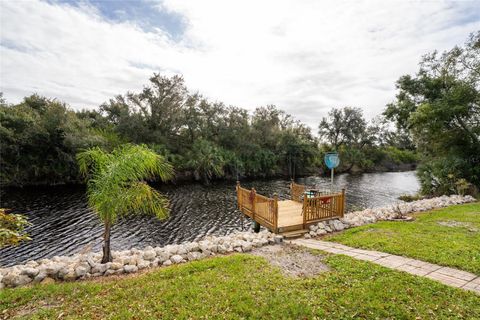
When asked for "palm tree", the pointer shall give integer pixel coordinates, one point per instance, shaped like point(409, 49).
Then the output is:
point(116, 187)
point(206, 160)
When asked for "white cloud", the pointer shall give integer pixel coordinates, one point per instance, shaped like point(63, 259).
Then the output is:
point(304, 56)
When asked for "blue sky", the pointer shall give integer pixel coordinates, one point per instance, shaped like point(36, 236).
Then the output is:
point(306, 57)
point(144, 13)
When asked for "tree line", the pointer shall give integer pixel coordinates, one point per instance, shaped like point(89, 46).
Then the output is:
point(203, 140)
point(434, 120)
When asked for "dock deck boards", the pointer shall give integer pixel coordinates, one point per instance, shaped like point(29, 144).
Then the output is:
point(289, 213)
point(290, 216)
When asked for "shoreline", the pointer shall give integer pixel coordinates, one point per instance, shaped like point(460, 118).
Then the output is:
point(179, 181)
point(86, 265)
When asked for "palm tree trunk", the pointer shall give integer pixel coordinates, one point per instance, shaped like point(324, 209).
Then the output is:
point(107, 255)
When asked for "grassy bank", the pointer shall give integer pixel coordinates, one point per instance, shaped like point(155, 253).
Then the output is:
point(448, 236)
point(244, 286)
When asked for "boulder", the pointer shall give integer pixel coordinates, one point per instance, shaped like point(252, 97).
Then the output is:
point(176, 258)
point(52, 268)
point(115, 266)
point(278, 238)
point(149, 254)
point(40, 276)
point(195, 255)
point(247, 246)
point(143, 264)
point(109, 272)
point(337, 225)
point(31, 272)
point(15, 279)
point(99, 268)
point(130, 269)
point(81, 271)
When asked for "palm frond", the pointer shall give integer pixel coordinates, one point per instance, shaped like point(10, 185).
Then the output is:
point(115, 187)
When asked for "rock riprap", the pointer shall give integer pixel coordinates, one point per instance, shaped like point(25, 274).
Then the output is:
point(83, 266)
point(359, 218)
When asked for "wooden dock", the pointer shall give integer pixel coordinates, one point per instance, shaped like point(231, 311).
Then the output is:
point(291, 216)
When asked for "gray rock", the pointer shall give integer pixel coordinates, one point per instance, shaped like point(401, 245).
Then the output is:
point(163, 256)
point(247, 246)
point(116, 266)
point(15, 279)
point(130, 269)
point(52, 268)
point(195, 255)
point(155, 262)
point(91, 261)
point(31, 272)
point(81, 271)
point(337, 225)
point(143, 264)
point(193, 246)
point(176, 258)
point(31, 264)
point(181, 250)
point(149, 255)
point(99, 268)
point(278, 238)
point(40, 276)
point(109, 272)
point(167, 262)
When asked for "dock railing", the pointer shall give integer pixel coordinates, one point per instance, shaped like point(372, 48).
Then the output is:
point(262, 209)
point(323, 205)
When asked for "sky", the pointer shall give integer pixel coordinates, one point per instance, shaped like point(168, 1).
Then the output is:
point(305, 56)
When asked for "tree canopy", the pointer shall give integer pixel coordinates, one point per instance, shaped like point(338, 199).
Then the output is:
point(440, 108)
point(116, 184)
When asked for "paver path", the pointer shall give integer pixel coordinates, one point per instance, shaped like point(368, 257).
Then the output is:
point(449, 276)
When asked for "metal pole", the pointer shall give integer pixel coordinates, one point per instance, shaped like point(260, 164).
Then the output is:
point(331, 181)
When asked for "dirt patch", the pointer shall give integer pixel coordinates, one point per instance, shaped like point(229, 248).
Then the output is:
point(458, 224)
point(29, 309)
point(294, 261)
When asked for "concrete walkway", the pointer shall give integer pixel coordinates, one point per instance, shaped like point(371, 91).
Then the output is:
point(449, 276)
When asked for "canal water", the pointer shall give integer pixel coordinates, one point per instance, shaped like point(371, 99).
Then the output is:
point(62, 224)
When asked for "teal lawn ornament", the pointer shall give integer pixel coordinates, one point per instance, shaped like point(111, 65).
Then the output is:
point(332, 161)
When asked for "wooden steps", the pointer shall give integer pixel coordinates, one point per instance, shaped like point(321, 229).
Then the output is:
point(294, 233)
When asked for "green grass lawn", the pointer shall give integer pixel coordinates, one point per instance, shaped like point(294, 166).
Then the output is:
point(426, 238)
point(244, 286)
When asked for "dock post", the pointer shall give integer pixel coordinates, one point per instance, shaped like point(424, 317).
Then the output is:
point(305, 210)
point(253, 196)
point(256, 227)
point(343, 202)
point(275, 212)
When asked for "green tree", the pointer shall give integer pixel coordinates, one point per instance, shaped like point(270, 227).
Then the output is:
point(116, 186)
point(346, 131)
point(206, 160)
point(440, 108)
point(12, 229)
point(39, 138)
